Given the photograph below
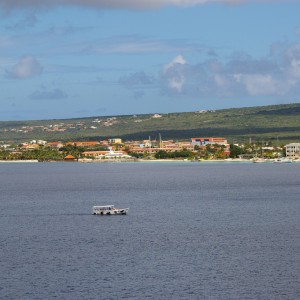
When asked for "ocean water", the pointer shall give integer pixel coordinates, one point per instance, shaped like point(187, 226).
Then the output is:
point(194, 231)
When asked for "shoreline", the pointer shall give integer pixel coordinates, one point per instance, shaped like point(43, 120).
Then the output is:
point(20, 161)
point(146, 161)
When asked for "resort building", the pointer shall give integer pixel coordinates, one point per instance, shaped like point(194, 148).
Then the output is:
point(110, 154)
point(200, 141)
point(115, 141)
point(30, 147)
point(94, 154)
point(292, 150)
point(54, 145)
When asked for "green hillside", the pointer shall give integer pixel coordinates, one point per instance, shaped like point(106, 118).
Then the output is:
point(263, 123)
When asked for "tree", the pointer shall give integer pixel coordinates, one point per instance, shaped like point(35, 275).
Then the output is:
point(235, 151)
point(73, 150)
point(161, 154)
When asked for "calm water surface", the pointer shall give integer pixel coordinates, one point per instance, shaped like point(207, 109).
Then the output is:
point(194, 231)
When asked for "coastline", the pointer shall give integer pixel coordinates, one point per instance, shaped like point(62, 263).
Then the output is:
point(146, 161)
point(20, 161)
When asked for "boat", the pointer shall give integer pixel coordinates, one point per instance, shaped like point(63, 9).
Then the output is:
point(109, 210)
point(258, 160)
point(283, 160)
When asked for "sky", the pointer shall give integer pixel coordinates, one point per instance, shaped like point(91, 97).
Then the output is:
point(83, 58)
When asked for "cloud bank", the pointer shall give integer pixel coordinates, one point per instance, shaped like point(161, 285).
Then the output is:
point(117, 4)
point(241, 75)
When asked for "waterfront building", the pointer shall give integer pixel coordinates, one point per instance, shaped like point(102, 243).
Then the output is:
point(292, 150)
point(70, 158)
point(202, 141)
point(105, 154)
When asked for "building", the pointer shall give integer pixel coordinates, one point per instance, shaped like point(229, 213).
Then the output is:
point(94, 154)
point(70, 158)
point(30, 147)
point(203, 141)
point(292, 150)
point(156, 116)
point(216, 142)
point(84, 144)
point(54, 145)
point(115, 141)
point(106, 154)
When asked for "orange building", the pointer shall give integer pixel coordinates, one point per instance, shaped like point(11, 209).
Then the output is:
point(69, 158)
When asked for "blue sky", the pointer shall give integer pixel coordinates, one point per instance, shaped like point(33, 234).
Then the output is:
point(81, 58)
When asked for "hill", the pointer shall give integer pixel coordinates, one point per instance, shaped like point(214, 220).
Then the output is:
point(263, 123)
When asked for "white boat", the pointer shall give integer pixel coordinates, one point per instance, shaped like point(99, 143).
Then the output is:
point(283, 160)
point(109, 210)
point(258, 160)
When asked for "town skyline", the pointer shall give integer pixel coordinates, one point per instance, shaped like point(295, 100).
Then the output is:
point(87, 58)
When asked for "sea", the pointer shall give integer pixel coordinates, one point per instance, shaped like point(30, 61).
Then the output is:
point(194, 231)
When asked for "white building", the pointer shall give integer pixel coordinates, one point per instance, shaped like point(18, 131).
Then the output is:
point(115, 141)
point(156, 116)
point(292, 150)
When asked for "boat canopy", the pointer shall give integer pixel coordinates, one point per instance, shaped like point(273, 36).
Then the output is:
point(103, 207)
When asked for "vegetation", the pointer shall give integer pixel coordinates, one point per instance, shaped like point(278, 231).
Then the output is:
point(235, 151)
point(238, 125)
point(207, 152)
point(42, 154)
point(176, 154)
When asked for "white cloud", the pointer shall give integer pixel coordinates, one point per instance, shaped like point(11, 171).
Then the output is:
point(174, 73)
point(177, 83)
point(133, 44)
point(27, 67)
point(222, 82)
point(257, 85)
point(126, 45)
point(292, 57)
point(295, 68)
point(115, 4)
point(178, 60)
point(241, 75)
